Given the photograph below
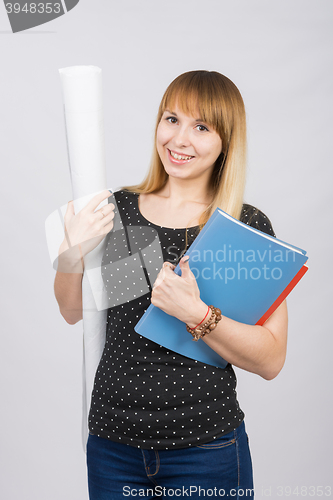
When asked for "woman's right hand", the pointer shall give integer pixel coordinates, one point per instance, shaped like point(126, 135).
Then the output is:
point(85, 230)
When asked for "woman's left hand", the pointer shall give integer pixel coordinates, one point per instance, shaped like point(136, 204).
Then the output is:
point(179, 296)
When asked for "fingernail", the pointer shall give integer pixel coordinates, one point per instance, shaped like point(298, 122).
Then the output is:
point(186, 258)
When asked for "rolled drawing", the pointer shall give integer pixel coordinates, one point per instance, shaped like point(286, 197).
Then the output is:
point(82, 96)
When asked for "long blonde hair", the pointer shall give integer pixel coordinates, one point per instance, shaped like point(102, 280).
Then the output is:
point(220, 105)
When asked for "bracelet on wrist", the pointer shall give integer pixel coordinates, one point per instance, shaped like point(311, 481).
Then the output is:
point(204, 328)
point(208, 311)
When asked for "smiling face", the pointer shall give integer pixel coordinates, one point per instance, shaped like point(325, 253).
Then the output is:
point(187, 146)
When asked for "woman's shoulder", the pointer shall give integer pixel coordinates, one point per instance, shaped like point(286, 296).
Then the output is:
point(257, 219)
point(124, 192)
point(124, 195)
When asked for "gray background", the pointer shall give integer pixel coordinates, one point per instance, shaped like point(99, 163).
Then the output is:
point(279, 53)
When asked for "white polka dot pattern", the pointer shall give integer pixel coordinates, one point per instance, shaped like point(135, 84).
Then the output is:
point(145, 395)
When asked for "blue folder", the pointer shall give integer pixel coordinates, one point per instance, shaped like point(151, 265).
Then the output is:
point(239, 269)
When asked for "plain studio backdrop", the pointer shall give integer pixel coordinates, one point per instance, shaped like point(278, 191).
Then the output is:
point(279, 54)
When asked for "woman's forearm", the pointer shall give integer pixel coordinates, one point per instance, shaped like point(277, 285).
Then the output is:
point(258, 349)
point(68, 284)
point(83, 232)
point(68, 292)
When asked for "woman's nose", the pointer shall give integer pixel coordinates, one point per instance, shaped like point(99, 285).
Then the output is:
point(182, 137)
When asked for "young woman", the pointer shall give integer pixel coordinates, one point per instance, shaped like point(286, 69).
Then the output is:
point(161, 423)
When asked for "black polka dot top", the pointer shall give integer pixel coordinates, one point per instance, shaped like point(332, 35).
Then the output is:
point(145, 395)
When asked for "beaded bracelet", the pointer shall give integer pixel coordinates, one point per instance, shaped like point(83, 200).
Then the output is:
point(208, 311)
point(202, 330)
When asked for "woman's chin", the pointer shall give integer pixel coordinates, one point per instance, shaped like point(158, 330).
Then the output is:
point(176, 173)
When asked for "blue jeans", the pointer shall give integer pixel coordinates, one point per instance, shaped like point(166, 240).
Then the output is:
point(219, 469)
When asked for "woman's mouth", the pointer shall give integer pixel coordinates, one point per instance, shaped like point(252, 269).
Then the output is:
point(177, 158)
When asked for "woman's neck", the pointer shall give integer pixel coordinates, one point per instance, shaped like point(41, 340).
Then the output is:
point(179, 191)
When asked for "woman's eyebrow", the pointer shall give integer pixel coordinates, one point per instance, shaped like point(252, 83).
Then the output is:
point(173, 113)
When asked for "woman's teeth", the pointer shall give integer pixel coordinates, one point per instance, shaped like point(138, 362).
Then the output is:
point(178, 157)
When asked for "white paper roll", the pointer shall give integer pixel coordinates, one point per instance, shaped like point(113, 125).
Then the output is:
point(82, 95)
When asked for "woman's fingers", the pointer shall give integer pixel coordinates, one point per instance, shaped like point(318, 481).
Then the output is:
point(167, 266)
point(105, 211)
point(89, 226)
point(96, 200)
point(107, 228)
point(69, 211)
point(106, 221)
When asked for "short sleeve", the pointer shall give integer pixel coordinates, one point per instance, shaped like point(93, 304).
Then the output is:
point(255, 218)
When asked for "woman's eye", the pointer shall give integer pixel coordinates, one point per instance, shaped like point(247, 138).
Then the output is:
point(202, 128)
point(171, 119)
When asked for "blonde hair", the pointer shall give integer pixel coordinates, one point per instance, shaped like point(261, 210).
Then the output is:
point(221, 106)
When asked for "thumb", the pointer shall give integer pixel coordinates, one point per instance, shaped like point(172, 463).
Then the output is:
point(68, 215)
point(185, 267)
point(70, 210)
